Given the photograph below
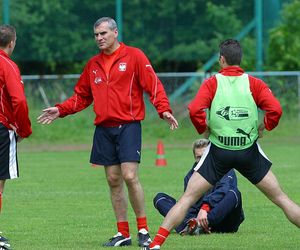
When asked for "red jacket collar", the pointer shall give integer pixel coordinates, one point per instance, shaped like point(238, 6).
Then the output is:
point(232, 71)
point(3, 53)
point(122, 45)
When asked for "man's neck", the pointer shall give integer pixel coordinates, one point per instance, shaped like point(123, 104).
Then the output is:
point(6, 50)
point(112, 49)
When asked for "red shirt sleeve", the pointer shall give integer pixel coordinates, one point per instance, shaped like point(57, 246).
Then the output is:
point(266, 101)
point(152, 85)
point(201, 102)
point(205, 207)
point(15, 89)
point(81, 98)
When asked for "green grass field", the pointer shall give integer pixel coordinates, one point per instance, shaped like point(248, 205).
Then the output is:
point(61, 202)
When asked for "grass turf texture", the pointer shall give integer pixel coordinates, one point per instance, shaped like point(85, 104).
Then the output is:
point(60, 202)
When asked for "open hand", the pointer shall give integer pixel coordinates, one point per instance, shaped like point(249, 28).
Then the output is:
point(48, 115)
point(18, 138)
point(261, 129)
point(170, 119)
point(203, 221)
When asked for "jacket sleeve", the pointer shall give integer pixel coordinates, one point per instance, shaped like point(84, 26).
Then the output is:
point(15, 88)
point(222, 187)
point(151, 84)
point(266, 101)
point(202, 101)
point(81, 98)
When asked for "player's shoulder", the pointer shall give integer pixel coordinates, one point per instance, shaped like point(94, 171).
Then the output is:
point(256, 83)
point(212, 77)
point(5, 60)
point(8, 64)
point(255, 79)
point(210, 80)
point(94, 58)
point(133, 50)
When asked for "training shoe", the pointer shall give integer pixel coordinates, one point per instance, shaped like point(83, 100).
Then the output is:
point(184, 231)
point(144, 238)
point(193, 227)
point(4, 246)
point(118, 241)
point(3, 239)
point(156, 247)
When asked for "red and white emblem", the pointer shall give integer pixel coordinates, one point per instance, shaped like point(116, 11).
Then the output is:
point(122, 66)
point(98, 80)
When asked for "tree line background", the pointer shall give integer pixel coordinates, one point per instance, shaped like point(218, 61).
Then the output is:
point(56, 37)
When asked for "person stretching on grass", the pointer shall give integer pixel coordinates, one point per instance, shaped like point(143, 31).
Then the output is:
point(232, 99)
point(220, 207)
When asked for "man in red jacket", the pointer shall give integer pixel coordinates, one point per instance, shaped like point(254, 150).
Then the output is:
point(115, 80)
point(232, 98)
point(14, 121)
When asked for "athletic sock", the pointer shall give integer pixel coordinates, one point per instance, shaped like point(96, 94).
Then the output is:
point(160, 237)
point(0, 201)
point(142, 223)
point(123, 228)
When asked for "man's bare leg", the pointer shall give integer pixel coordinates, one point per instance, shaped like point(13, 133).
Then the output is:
point(117, 192)
point(271, 188)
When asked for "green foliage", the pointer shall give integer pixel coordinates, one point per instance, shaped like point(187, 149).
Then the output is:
point(285, 40)
point(56, 37)
point(50, 36)
point(184, 35)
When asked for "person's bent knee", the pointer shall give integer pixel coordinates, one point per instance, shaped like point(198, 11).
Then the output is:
point(157, 197)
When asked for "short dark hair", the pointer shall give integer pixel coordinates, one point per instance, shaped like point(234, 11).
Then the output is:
point(232, 51)
point(7, 34)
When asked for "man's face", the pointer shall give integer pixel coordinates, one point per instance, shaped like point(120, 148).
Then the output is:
point(198, 153)
point(105, 37)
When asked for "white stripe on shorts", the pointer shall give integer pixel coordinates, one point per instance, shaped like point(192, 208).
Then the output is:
point(261, 151)
point(13, 170)
point(205, 153)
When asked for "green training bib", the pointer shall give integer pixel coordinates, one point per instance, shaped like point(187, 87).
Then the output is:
point(233, 116)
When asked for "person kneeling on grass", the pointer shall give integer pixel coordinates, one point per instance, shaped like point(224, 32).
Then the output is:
point(220, 208)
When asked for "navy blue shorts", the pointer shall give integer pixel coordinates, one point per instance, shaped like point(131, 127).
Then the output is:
point(115, 145)
point(251, 162)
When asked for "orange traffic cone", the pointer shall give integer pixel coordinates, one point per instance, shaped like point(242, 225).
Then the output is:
point(160, 155)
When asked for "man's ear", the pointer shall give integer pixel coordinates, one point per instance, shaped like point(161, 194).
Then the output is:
point(116, 32)
point(222, 59)
point(10, 45)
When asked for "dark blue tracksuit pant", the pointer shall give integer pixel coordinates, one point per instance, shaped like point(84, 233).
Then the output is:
point(224, 199)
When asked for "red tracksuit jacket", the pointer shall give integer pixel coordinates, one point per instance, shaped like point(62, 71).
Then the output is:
point(261, 93)
point(13, 105)
point(118, 97)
